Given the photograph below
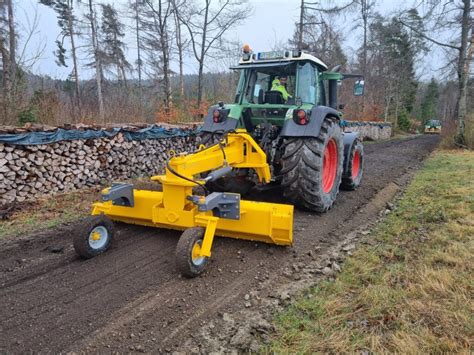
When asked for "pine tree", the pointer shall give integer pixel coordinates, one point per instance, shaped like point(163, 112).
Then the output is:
point(67, 24)
point(392, 65)
point(430, 102)
point(113, 43)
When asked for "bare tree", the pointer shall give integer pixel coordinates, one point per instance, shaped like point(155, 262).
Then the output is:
point(181, 42)
point(207, 25)
point(12, 35)
point(138, 41)
point(451, 16)
point(6, 64)
point(158, 43)
point(366, 11)
point(7, 51)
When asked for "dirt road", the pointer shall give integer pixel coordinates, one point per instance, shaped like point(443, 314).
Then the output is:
point(132, 299)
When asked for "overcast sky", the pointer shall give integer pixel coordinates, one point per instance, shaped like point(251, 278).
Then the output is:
point(270, 22)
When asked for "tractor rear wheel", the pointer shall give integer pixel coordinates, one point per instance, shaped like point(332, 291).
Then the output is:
point(355, 167)
point(188, 261)
point(312, 168)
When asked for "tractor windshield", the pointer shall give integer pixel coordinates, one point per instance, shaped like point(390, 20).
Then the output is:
point(262, 84)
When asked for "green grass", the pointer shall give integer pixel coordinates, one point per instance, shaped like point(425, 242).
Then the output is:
point(53, 211)
point(49, 213)
point(411, 290)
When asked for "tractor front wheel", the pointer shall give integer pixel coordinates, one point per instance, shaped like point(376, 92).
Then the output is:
point(188, 260)
point(95, 238)
point(312, 168)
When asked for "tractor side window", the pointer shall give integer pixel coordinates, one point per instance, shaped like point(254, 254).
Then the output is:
point(240, 86)
point(306, 89)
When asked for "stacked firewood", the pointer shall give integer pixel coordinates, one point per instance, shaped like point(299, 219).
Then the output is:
point(30, 171)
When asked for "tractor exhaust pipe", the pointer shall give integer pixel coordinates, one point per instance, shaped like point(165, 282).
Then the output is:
point(333, 94)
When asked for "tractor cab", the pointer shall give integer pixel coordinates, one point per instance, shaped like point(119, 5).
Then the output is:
point(263, 97)
point(260, 72)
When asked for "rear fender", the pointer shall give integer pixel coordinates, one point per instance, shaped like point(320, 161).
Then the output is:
point(312, 129)
point(228, 124)
point(349, 139)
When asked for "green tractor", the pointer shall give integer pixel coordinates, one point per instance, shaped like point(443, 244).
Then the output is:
point(297, 124)
point(433, 127)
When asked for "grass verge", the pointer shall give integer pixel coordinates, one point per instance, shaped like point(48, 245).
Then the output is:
point(48, 212)
point(410, 289)
point(53, 211)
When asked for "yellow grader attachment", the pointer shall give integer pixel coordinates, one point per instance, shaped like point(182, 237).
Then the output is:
point(200, 217)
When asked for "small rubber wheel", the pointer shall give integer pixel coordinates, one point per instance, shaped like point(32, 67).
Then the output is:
point(353, 173)
point(188, 261)
point(95, 238)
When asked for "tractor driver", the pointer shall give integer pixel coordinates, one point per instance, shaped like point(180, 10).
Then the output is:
point(279, 84)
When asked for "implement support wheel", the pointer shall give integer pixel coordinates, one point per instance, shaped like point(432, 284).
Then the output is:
point(188, 261)
point(95, 238)
point(355, 167)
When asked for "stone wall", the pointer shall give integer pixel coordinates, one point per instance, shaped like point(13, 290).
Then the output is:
point(369, 130)
point(30, 171)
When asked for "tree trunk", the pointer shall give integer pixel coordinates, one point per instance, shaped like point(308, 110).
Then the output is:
point(6, 70)
point(179, 45)
point(300, 35)
point(463, 72)
point(97, 63)
point(139, 58)
point(387, 105)
point(74, 60)
point(203, 54)
point(165, 54)
point(12, 37)
point(364, 12)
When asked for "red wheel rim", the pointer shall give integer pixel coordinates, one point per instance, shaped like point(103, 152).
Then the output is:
point(329, 165)
point(356, 165)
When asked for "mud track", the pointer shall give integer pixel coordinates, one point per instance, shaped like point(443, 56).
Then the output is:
point(132, 299)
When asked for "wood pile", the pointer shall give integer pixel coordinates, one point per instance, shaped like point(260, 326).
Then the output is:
point(36, 127)
point(30, 171)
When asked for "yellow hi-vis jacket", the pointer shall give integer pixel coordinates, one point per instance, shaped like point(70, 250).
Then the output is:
point(276, 86)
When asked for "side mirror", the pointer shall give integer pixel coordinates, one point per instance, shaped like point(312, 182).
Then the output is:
point(359, 88)
point(341, 106)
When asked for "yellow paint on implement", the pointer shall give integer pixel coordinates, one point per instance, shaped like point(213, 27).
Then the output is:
point(259, 221)
point(95, 236)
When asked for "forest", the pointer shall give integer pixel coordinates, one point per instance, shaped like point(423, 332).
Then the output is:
point(151, 84)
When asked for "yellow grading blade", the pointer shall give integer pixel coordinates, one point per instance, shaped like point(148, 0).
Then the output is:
point(259, 221)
